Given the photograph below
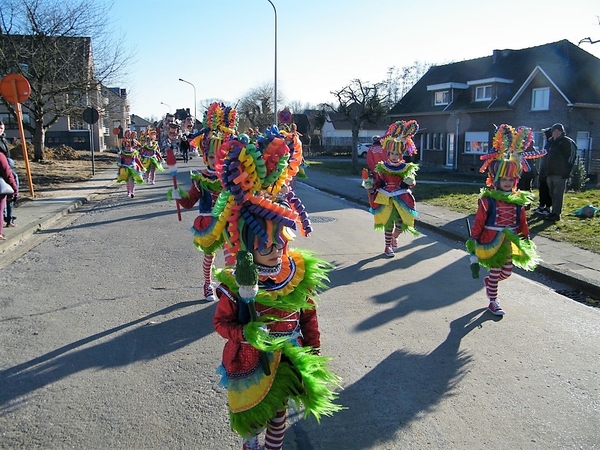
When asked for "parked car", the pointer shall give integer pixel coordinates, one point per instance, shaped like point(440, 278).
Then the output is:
point(362, 148)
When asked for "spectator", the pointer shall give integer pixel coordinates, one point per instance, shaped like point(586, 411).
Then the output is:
point(544, 193)
point(559, 162)
point(3, 142)
point(11, 201)
point(7, 175)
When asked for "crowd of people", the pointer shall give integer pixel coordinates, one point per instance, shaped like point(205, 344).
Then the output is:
point(267, 290)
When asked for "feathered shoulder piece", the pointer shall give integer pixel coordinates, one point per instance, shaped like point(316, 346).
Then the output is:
point(399, 135)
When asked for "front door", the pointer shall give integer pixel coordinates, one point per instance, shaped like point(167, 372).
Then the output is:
point(450, 153)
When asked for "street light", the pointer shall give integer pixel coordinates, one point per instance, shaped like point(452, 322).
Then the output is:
point(275, 87)
point(181, 79)
point(169, 106)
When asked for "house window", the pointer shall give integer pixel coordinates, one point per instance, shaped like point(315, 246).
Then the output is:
point(442, 97)
point(483, 93)
point(477, 142)
point(434, 143)
point(540, 99)
point(10, 123)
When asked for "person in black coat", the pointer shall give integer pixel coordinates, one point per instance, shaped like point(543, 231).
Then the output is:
point(560, 160)
point(544, 192)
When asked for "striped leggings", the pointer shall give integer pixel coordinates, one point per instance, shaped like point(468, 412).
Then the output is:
point(273, 436)
point(496, 275)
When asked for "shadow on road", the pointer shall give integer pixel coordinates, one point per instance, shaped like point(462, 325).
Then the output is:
point(397, 391)
point(147, 341)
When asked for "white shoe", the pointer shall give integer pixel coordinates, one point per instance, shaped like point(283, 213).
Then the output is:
point(389, 252)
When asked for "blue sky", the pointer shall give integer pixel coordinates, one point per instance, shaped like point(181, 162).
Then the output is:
point(226, 48)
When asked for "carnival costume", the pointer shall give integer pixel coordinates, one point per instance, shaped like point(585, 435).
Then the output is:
point(392, 202)
point(500, 233)
point(150, 155)
point(219, 125)
point(130, 166)
point(268, 314)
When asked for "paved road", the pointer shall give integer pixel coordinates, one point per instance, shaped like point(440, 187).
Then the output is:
point(107, 344)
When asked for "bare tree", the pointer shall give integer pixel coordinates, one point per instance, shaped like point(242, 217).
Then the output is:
point(360, 102)
point(400, 81)
point(66, 50)
point(589, 39)
point(257, 106)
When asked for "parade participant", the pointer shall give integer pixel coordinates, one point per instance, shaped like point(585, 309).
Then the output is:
point(219, 125)
point(170, 138)
point(296, 162)
point(375, 154)
point(267, 309)
point(130, 166)
point(500, 234)
point(392, 202)
point(187, 133)
point(150, 155)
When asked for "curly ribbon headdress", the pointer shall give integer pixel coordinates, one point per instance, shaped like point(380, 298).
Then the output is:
point(256, 205)
point(511, 148)
point(130, 140)
point(218, 126)
point(399, 136)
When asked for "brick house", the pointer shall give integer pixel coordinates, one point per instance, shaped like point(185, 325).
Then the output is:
point(458, 104)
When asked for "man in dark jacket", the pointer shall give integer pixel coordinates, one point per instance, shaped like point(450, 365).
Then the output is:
point(3, 142)
point(559, 162)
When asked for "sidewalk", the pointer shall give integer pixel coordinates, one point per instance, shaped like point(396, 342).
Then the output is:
point(577, 268)
point(565, 263)
point(46, 208)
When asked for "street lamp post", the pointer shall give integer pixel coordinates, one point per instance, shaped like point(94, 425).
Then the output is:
point(275, 84)
point(181, 79)
point(168, 106)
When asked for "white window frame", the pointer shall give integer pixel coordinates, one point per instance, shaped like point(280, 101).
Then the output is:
point(441, 98)
point(483, 93)
point(477, 142)
point(540, 99)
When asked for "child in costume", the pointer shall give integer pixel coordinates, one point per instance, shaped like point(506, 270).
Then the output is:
point(150, 156)
point(391, 199)
point(266, 308)
point(500, 233)
point(220, 123)
point(130, 166)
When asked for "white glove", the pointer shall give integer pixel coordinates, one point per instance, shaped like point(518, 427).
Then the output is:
point(409, 181)
point(175, 194)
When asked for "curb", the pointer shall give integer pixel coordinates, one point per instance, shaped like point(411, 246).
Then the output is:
point(557, 274)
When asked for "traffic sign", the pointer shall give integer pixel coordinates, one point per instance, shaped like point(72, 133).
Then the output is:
point(15, 88)
point(90, 115)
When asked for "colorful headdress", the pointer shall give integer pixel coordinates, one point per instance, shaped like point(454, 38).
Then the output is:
point(219, 125)
point(255, 206)
point(292, 138)
point(399, 136)
point(511, 148)
point(130, 139)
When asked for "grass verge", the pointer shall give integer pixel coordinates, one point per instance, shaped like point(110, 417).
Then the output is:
point(571, 229)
